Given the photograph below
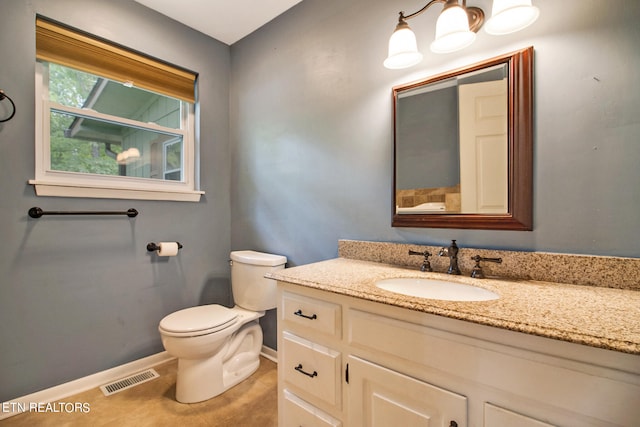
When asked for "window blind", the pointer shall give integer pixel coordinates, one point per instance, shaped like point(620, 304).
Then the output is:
point(73, 48)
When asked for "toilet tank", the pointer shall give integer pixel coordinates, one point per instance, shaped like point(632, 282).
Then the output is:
point(251, 290)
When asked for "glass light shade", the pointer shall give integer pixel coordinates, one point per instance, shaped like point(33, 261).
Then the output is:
point(452, 31)
point(509, 16)
point(403, 49)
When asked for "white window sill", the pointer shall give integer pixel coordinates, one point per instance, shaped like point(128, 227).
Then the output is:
point(43, 188)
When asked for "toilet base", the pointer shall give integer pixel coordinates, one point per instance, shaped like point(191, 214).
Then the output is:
point(202, 379)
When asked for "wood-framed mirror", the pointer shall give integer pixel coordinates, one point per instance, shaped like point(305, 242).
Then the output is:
point(463, 147)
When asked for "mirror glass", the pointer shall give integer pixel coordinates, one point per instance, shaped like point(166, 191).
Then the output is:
point(463, 154)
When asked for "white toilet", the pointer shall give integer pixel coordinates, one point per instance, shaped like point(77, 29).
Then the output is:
point(218, 347)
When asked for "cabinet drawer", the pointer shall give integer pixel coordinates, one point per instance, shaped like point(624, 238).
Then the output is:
point(391, 336)
point(312, 368)
point(297, 412)
point(495, 416)
point(321, 316)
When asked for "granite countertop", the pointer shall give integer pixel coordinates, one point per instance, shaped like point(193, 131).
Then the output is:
point(595, 316)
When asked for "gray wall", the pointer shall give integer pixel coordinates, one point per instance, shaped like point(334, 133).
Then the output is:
point(80, 294)
point(296, 148)
point(311, 128)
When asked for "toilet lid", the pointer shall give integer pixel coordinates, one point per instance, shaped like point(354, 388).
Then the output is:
point(201, 318)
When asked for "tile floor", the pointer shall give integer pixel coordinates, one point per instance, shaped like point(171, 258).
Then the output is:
point(252, 403)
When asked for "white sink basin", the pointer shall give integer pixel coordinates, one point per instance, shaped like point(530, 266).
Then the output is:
point(436, 289)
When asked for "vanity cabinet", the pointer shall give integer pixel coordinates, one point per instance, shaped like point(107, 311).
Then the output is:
point(369, 364)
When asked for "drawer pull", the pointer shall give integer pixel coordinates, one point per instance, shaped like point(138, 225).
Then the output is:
point(299, 313)
point(453, 424)
point(299, 369)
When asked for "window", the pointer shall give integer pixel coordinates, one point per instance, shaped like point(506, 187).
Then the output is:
point(111, 122)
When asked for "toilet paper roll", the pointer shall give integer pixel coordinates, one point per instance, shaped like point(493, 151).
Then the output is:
point(168, 249)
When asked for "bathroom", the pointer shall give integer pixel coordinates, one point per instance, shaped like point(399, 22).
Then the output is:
point(296, 146)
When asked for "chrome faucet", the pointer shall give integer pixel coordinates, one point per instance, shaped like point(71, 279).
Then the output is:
point(452, 253)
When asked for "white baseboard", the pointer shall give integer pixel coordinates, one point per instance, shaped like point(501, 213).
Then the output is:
point(269, 353)
point(59, 392)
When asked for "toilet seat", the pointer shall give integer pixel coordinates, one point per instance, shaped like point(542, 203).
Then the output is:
point(200, 320)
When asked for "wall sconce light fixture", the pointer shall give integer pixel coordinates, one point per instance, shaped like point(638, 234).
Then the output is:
point(456, 28)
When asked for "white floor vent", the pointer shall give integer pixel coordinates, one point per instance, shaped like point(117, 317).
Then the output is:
point(128, 382)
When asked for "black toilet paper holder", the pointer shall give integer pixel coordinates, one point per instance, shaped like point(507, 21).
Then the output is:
point(152, 247)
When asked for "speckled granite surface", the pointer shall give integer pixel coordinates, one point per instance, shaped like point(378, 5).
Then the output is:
point(595, 316)
point(604, 271)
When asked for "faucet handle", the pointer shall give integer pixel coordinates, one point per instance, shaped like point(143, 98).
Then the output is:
point(477, 270)
point(426, 265)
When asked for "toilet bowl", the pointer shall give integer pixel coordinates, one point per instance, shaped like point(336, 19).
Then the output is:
point(217, 347)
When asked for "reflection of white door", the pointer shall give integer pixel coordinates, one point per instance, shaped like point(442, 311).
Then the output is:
point(483, 147)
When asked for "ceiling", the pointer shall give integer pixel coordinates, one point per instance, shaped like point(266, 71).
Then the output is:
point(225, 20)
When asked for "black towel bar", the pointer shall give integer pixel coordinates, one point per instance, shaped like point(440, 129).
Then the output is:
point(36, 212)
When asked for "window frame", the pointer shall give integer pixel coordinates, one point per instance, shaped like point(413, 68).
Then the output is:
point(165, 171)
point(48, 182)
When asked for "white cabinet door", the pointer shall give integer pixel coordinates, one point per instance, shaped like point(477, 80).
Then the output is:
point(380, 397)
